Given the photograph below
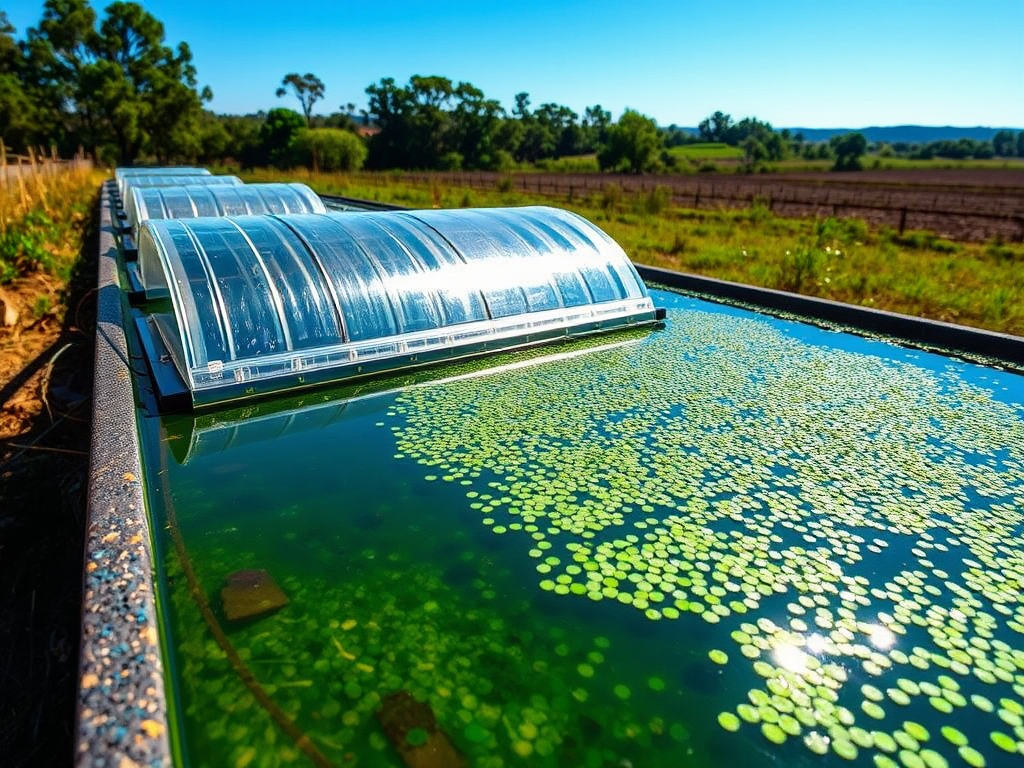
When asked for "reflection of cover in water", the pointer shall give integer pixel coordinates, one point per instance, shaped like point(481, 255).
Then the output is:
point(207, 434)
point(255, 430)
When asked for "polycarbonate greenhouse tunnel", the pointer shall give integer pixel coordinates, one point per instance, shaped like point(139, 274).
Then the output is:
point(744, 528)
point(144, 181)
point(275, 302)
point(123, 175)
point(198, 201)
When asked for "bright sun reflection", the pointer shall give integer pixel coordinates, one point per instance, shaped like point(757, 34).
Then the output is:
point(881, 637)
point(816, 643)
point(790, 657)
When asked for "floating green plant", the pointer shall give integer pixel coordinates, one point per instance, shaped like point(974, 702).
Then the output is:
point(721, 463)
point(822, 545)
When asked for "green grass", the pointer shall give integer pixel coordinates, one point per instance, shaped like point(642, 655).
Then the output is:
point(917, 273)
point(706, 151)
point(41, 221)
point(571, 164)
point(872, 162)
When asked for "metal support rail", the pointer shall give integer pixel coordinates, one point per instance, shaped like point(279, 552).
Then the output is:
point(336, 202)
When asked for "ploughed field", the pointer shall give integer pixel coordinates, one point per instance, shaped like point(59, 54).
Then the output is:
point(968, 205)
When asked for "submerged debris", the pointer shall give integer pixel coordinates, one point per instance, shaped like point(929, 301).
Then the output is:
point(250, 593)
point(412, 729)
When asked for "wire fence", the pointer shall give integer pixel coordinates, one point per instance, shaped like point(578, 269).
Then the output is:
point(17, 167)
point(968, 212)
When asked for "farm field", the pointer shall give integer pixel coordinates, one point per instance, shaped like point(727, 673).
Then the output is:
point(833, 254)
point(973, 205)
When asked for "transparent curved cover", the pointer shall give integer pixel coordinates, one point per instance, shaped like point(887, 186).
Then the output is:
point(269, 302)
point(121, 175)
point(197, 200)
point(129, 183)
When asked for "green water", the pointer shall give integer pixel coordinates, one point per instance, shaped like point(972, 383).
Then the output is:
point(737, 540)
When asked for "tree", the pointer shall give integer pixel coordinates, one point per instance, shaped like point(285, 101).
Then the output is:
point(1003, 144)
point(244, 143)
point(474, 127)
point(561, 125)
point(215, 140)
point(328, 149)
point(276, 135)
point(594, 125)
point(55, 53)
point(552, 130)
point(414, 122)
point(308, 88)
point(754, 152)
point(848, 149)
point(1020, 144)
point(117, 88)
point(715, 128)
point(345, 119)
point(17, 118)
point(633, 144)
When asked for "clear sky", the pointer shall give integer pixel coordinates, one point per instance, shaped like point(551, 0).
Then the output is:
point(817, 64)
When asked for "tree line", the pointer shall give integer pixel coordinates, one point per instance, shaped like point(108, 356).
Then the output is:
point(112, 86)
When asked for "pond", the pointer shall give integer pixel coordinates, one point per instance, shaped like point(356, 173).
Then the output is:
point(733, 540)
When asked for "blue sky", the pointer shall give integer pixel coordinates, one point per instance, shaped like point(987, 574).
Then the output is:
point(808, 64)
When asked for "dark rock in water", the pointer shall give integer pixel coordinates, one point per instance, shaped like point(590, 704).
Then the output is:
point(412, 729)
point(250, 593)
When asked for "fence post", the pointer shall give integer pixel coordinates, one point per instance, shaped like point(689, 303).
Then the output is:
point(903, 219)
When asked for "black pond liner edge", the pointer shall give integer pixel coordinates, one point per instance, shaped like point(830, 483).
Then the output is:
point(932, 335)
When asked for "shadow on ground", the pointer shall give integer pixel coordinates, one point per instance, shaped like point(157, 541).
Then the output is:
point(43, 492)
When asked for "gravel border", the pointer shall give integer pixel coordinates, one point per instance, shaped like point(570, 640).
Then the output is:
point(122, 709)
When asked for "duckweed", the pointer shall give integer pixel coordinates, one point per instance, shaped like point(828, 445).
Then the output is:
point(792, 499)
point(729, 721)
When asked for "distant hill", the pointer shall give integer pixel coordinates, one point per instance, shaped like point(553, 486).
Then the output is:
point(911, 134)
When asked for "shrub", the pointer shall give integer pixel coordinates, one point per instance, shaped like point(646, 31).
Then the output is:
point(329, 149)
point(655, 201)
point(798, 267)
point(832, 231)
point(451, 161)
point(503, 160)
point(25, 245)
point(1000, 250)
point(611, 195)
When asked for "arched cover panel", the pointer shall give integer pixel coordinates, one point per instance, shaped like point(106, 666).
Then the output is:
point(129, 183)
point(121, 175)
point(262, 303)
point(196, 200)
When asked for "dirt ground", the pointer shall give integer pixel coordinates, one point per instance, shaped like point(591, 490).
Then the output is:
point(46, 361)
